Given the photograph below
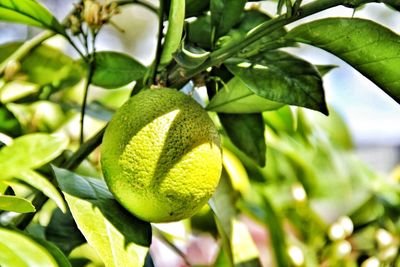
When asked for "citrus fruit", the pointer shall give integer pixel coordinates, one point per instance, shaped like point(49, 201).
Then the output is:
point(161, 155)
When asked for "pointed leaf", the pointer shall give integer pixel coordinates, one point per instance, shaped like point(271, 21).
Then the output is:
point(119, 238)
point(20, 250)
point(16, 204)
point(236, 97)
point(367, 46)
point(115, 69)
point(61, 259)
point(225, 14)
point(247, 132)
point(281, 77)
point(39, 182)
point(29, 12)
point(40, 147)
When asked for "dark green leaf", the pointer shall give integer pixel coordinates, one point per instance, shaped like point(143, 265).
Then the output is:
point(40, 147)
point(20, 250)
point(16, 204)
point(247, 132)
point(225, 14)
point(63, 231)
point(199, 32)
point(115, 69)
point(250, 20)
point(105, 224)
point(281, 77)
point(8, 123)
point(29, 12)
point(392, 3)
point(367, 46)
point(236, 97)
point(196, 7)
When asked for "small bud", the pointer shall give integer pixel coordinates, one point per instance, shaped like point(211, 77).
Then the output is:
point(344, 248)
point(336, 232)
point(298, 192)
point(91, 14)
point(296, 255)
point(383, 237)
point(371, 262)
point(347, 225)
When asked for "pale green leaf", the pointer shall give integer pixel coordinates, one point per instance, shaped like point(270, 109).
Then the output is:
point(29, 12)
point(39, 182)
point(17, 249)
point(236, 97)
point(119, 238)
point(16, 204)
point(367, 46)
point(28, 152)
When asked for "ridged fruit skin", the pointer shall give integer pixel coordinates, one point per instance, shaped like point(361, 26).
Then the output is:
point(161, 155)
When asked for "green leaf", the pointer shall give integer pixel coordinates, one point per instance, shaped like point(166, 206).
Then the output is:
point(63, 231)
point(28, 152)
point(45, 65)
point(29, 12)
point(193, 8)
point(281, 77)
point(199, 31)
point(236, 97)
point(20, 250)
point(238, 248)
point(8, 123)
point(367, 46)
point(16, 204)
point(266, 213)
point(119, 238)
point(225, 14)
point(115, 69)
point(39, 182)
point(247, 132)
point(61, 259)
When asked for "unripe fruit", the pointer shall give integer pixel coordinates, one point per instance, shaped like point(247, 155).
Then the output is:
point(161, 156)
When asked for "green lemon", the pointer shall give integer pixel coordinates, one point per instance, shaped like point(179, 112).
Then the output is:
point(161, 156)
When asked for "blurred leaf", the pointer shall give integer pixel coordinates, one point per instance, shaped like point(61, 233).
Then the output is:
point(195, 7)
point(281, 120)
point(225, 14)
point(8, 123)
point(393, 3)
point(40, 147)
point(16, 90)
point(367, 46)
point(236, 97)
point(45, 65)
point(39, 182)
point(61, 259)
point(236, 171)
point(20, 250)
point(118, 237)
point(29, 12)
point(114, 69)
point(63, 231)
point(223, 204)
point(238, 248)
point(266, 214)
point(281, 77)
point(16, 204)
point(247, 132)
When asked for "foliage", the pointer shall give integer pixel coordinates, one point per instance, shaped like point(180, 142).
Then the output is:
point(287, 171)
